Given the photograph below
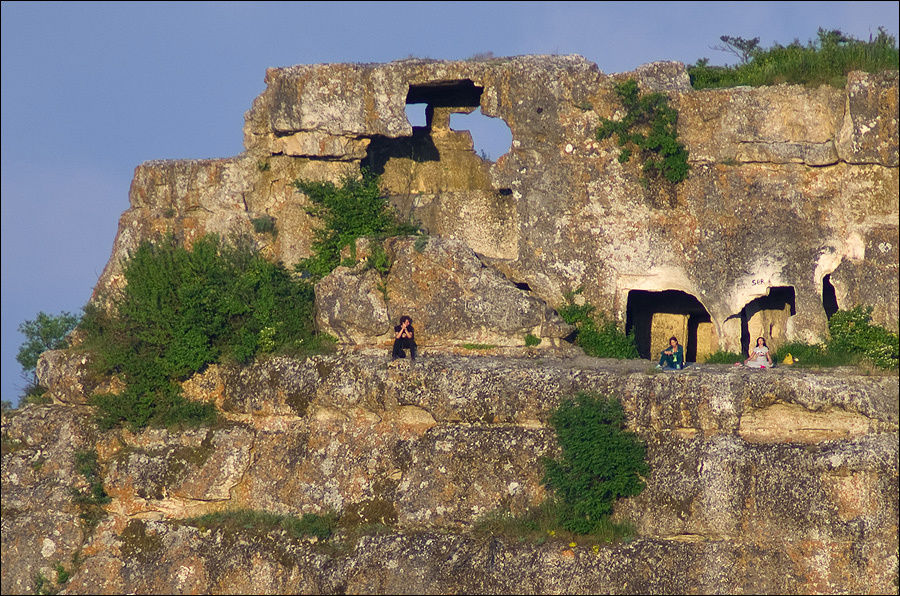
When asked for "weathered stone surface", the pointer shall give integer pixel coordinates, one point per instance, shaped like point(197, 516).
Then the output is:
point(68, 378)
point(449, 293)
point(793, 472)
point(173, 558)
point(780, 124)
point(870, 129)
point(350, 305)
point(663, 76)
point(452, 296)
point(40, 521)
point(784, 179)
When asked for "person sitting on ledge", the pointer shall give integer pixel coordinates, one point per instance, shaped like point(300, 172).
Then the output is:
point(759, 356)
point(673, 356)
point(404, 339)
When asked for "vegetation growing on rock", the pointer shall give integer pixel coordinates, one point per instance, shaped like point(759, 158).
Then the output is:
point(854, 340)
point(596, 333)
point(183, 309)
point(823, 61)
point(650, 127)
point(44, 332)
point(600, 462)
point(355, 208)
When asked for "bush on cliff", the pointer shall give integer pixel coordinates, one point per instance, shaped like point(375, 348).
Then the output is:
point(184, 309)
point(852, 332)
point(597, 334)
point(355, 208)
point(600, 462)
point(824, 61)
point(649, 126)
point(854, 340)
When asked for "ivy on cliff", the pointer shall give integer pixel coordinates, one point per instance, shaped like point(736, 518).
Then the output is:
point(649, 128)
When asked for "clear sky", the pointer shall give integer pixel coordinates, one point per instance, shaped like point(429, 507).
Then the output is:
point(90, 90)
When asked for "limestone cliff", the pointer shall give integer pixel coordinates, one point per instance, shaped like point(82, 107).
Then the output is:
point(785, 481)
point(761, 483)
point(792, 193)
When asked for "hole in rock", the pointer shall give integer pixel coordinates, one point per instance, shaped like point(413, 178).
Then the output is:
point(522, 286)
point(767, 317)
point(654, 317)
point(415, 114)
point(491, 137)
point(829, 298)
point(446, 94)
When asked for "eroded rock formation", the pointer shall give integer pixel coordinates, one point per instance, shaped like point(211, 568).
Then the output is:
point(782, 482)
point(792, 192)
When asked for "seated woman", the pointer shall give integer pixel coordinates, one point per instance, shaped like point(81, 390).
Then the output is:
point(673, 356)
point(404, 339)
point(759, 355)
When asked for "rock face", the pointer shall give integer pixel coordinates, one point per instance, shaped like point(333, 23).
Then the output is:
point(447, 291)
point(784, 481)
point(792, 191)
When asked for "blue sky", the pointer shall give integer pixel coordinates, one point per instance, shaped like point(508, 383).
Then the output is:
point(90, 90)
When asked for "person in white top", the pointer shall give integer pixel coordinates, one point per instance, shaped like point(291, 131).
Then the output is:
point(759, 355)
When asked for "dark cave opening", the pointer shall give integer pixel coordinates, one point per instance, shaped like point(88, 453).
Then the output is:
point(829, 297)
point(688, 313)
point(778, 299)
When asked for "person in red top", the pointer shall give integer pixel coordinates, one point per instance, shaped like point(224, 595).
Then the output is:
point(404, 339)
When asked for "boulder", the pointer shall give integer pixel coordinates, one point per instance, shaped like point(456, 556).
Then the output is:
point(450, 294)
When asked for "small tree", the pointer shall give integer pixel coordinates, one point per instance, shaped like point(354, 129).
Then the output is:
point(739, 46)
point(45, 332)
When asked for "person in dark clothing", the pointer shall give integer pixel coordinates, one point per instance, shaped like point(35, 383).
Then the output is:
point(404, 339)
point(673, 356)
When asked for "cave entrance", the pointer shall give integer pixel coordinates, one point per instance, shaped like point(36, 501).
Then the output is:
point(829, 297)
point(654, 317)
point(767, 316)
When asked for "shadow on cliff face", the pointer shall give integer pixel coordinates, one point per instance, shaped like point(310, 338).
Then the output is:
point(443, 101)
point(419, 147)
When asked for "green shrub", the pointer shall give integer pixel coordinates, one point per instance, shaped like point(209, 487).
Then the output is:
point(355, 208)
point(541, 524)
point(62, 576)
point(824, 61)
point(650, 128)
point(600, 461)
point(854, 340)
point(90, 499)
point(853, 333)
point(597, 334)
point(264, 224)
point(479, 346)
point(184, 309)
point(724, 357)
point(532, 340)
point(379, 259)
point(310, 524)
